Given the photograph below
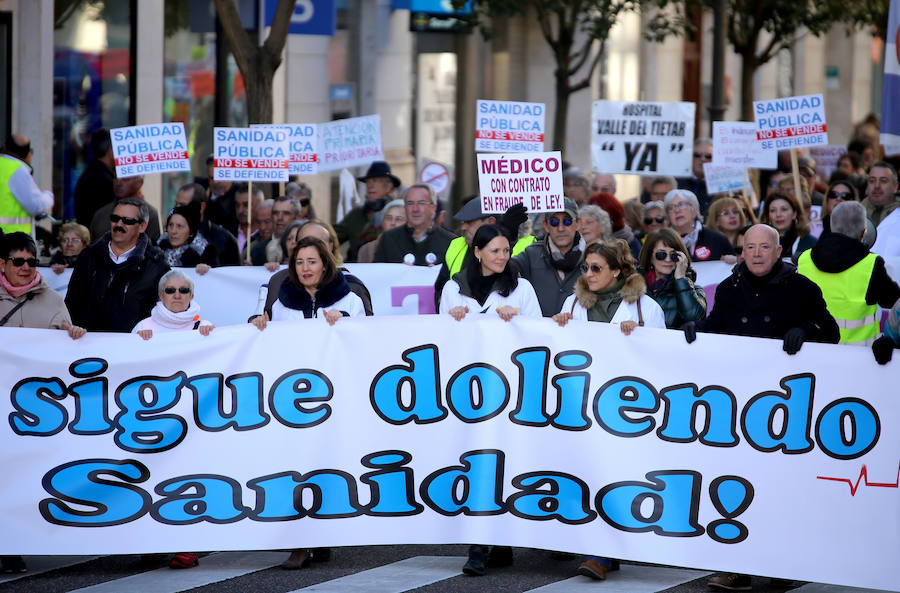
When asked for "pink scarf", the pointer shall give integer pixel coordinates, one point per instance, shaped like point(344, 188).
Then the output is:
point(17, 291)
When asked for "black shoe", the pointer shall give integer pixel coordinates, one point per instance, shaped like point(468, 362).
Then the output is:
point(321, 554)
point(784, 583)
point(12, 564)
point(500, 556)
point(730, 582)
point(297, 560)
point(475, 565)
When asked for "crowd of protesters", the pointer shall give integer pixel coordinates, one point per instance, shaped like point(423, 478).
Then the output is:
point(804, 264)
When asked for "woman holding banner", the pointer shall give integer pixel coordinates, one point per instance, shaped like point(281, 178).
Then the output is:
point(784, 213)
point(183, 245)
point(670, 278)
point(610, 290)
point(176, 309)
point(315, 288)
point(488, 283)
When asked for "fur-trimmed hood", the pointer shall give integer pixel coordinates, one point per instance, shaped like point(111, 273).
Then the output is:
point(635, 287)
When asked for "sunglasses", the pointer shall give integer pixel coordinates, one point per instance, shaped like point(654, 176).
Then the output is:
point(840, 195)
point(656, 219)
point(706, 156)
point(739, 250)
point(124, 219)
point(304, 202)
point(181, 289)
point(555, 222)
point(663, 255)
point(594, 268)
point(21, 261)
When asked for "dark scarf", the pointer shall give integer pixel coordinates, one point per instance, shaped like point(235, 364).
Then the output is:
point(296, 297)
point(787, 241)
point(608, 301)
point(570, 260)
point(371, 206)
point(479, 287)
point(757, 282)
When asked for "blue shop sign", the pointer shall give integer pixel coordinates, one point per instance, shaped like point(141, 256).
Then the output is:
point(310, 17)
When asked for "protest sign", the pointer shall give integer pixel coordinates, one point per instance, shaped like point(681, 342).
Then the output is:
point(735, 145)
point(723, 179)
point(790, 122)
point(509, 126)
point(534, 180)
point(302, 141)
point(250, 154)
point(827, 158)
point(890, 95)
point(151, 148)
point(350, 142)
point(114, 444)
point(642, 137)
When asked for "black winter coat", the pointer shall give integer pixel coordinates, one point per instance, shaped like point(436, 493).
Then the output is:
point(768, 307)
point(103, 296)
point(680, 299)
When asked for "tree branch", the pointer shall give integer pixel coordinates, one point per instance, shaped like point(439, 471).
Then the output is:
point(241, 45)
point(277, 37)
point(586, 81)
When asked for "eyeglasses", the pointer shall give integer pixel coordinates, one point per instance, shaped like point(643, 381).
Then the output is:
point(656, 219)
point(124, 219)
point(18, 262)
point(706, 156)
point(68, 240)
point(840, 195)
point(733, 212)
point(419, 204)
point(663, 255)
point(555, 222)
point(594, 268)
point(679, 205)
point(181, 289)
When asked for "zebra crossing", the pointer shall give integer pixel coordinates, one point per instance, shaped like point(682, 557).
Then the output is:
point(242, 571)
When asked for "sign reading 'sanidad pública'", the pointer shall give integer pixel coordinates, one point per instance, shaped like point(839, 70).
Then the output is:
point(150, 148)
point(251, 154)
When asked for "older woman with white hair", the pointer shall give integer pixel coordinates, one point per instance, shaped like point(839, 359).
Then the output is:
point(176, 309)
point(390, 217)
point(702, 242)
point(594, 224)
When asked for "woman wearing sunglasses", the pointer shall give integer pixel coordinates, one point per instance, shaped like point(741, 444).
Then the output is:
point(838, 193)
point(654, 218)
point(176, 309)
point(670, 278)
point(25, 298)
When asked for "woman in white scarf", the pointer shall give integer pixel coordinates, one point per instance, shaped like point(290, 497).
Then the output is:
point(175, 310)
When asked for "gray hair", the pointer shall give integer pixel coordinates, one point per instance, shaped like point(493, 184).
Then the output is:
point(378, 219)
point(431, 195)
point(667, 179)
point(267, 203)
point(702, 140)
point(298, 190)
point(141, 205)
point(653, 206)
point(849, 219)
point(600, 215)
point(612, 181)
point(175, 274)
point(295, 203)
point(685, 194)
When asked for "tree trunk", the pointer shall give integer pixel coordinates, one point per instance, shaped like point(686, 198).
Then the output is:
point(257, 63)
point(749, 64)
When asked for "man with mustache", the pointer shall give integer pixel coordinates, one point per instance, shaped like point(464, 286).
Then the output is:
point(115, 281)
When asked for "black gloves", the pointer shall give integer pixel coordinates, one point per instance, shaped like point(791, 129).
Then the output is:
point(510, 221)
point(883, 349)
point(690, 331)
point(793, 340)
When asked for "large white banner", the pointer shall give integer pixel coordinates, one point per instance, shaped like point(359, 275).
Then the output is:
point(642, 137)
point(726, 454)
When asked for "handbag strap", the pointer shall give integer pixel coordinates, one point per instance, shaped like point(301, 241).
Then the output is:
point(12, 311)
point(640, 313)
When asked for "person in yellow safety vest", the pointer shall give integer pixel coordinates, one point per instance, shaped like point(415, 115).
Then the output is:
point(471, 218)
point(20, 197)
point(853, 281)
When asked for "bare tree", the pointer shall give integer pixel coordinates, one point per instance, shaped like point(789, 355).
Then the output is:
point(257, 63)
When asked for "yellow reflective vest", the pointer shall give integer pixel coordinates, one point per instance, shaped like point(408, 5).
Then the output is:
point(13, 217)
point(845, 296)
point(456, 251)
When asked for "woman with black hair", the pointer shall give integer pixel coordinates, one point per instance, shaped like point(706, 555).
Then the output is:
point(487, 283)
point(183, 245)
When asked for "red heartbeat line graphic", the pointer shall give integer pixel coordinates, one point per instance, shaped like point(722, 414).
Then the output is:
point(863, 473)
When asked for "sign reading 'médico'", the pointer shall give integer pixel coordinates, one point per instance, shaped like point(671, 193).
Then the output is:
point(534, 180)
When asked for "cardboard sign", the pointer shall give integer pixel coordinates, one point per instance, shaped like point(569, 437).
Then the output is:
point(735, 145)
point(534, 180)
point(509, 126)
point(642, 137)
point(151, 148)
point(250, 154)
point(791, 122)
point(723, 179)
point(827, 158)
point(351, 142)
point(302, 141)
